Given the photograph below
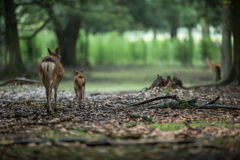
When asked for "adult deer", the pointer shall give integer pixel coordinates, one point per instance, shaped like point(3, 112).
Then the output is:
point(79, 86)
point(51, 73)
point(212, 65)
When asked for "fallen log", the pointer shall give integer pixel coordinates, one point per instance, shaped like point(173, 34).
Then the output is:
point(39, 123)
point(156, 98)
point(22, 80)
point(173, 105)
point(213, 101)
point(106, 141)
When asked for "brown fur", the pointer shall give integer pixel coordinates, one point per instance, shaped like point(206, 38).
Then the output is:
point(79, 86)
point(51, 73)
point(212, 65)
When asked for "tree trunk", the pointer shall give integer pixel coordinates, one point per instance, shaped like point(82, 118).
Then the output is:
point(205, 29)
point(190, 46)
point(67, 39)
point(234, 76)
point(173, 31)
point(154, 34)
point(236, 35)
point(174, 24)
point(15, 65)
point(86, 50)
point(226, 48)
point(29, 49)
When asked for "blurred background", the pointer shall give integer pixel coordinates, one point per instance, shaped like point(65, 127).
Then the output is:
point(121, 44)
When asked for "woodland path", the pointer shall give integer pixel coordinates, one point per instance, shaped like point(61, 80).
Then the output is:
point(107, 129)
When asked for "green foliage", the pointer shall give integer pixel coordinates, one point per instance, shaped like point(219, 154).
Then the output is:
point(116, 49)
point(184, 51)
point(208, 49)
point(175, 126)
point(188, 17)
point(39, 43)
point(166, 91)
point(129, 48)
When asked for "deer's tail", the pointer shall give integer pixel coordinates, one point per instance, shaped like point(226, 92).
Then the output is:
point(48, 65)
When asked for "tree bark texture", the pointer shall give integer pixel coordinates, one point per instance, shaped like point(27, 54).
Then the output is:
point(67, 39)
point(226, 48)
point(66, 36)
point(174, 24)
point(234, 76)
point(235, 12)
point(205, 28)
point(15, 65)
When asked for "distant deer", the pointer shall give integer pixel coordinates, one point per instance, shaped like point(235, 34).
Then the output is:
point(79, 86)
point(51, 73)
point(212, 65)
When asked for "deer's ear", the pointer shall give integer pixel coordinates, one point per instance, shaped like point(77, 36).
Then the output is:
point(49, 52)
point(57, 51)
point(74, 71)
point(81, 70)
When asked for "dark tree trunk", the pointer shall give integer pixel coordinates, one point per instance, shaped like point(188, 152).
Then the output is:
point(205, 29)
point(86, 50)
point(236, 35)
point(67, 39)
point(67, 36)
point(174, 24)
point(226, 48)
point(154, 34)
point(29, 49)
point(15, 65)
point(173, 31)
point(1, 55)
point(234, 76)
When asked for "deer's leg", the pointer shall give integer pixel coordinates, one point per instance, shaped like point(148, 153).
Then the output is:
point(83, 91)
point(50, 94)
point(75, 89)
point(49, 108)
point(55, 96)
point(80, 98)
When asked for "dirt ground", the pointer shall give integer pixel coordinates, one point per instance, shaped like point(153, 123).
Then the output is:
point(168, 124)
point(110, 126)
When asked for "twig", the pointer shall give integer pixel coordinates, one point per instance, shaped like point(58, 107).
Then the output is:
point(173, 105)
point(211, 102)
point(156, 98)
point(111, 105)
point(215, 106)
point(145, 117)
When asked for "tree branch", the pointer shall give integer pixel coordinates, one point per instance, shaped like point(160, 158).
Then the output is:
point(208, 103)
point(29, 3)
point(39, 29)
point(156, 98)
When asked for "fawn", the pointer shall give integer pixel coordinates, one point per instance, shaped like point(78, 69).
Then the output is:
point(51, 73)
point(79, 86)
point(212, 65)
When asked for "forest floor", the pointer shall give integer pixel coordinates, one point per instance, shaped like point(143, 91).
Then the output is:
point(113, 126)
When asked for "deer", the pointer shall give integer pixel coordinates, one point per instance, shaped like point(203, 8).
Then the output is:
point(79, 86)
point(51, 73)
point(212, 65)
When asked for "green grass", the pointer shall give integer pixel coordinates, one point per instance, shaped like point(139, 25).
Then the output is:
point(122, 78)
point(130, 78)
point(177, 126)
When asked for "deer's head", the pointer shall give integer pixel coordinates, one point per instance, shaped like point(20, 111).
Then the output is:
point(56, 54)
point(78, 73)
